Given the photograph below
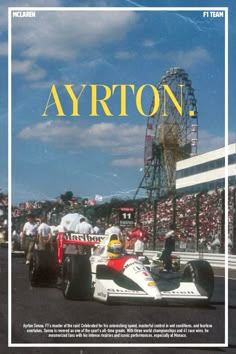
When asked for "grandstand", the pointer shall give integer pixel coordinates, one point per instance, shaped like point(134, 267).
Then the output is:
point(206, 171)
point(198, 206)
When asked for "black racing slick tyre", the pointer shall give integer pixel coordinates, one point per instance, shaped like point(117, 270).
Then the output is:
point(201, 274)
point(42, 268)
point(76, 277)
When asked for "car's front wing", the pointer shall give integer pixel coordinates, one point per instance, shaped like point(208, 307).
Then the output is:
point(107, 290)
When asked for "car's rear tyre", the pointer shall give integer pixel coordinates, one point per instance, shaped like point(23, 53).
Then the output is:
point(76, 277)
point(201, 274)
point(42, 268)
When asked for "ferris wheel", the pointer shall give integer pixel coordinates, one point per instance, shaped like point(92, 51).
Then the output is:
point(171, 135)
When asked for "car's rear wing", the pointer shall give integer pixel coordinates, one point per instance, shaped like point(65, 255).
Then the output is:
point(74, 238)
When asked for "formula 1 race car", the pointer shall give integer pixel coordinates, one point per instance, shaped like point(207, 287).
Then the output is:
point(101, 269)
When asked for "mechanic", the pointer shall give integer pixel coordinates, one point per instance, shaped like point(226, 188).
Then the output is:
point(44, 237)
point(29, 233)
point(54, 233)
point(215, 244)
point(169, 248)
point(84, 227)
point(96, 229)
point(113, 229)
point(139, 237)
point(15, 240)
point(230, 245)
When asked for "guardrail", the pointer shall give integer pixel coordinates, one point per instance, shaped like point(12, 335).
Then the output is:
point(215, 259)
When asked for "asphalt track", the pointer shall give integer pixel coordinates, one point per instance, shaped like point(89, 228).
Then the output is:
point(47, 305)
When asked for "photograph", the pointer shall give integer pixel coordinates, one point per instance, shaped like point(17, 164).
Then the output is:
point(118, 183)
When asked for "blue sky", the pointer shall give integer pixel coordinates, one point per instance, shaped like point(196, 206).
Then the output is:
point(103, 155)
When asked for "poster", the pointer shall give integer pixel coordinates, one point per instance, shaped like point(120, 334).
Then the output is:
point(81, 82)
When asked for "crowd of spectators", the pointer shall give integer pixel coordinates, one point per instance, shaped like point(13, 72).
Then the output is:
point(232, 210)
point(3, 217)
point(196, 216)
point(211, 214)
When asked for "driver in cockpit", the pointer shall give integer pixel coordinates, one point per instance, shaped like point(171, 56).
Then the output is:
point(115, 248)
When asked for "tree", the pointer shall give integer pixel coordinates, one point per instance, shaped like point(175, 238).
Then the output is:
point(67, 196)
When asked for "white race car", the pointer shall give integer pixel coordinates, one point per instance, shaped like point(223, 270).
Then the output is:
point(115, 276)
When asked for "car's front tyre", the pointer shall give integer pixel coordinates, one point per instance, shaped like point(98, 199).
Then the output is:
point(76, 277)
point(201, 274)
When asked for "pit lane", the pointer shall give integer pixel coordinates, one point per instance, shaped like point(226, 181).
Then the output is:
point(47, 305)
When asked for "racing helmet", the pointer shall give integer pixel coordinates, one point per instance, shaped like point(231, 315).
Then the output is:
point(114, 249)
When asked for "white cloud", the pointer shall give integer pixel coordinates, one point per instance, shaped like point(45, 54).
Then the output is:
point(36, 73)
point(44, 84)
point(68, 35)
point(3, 48)
point(125, 140)
point(124, 55)
point(148, 43)
point(208, 141)
point(187, 59)
point(117, 139)
point(96, 62)
point(29, 69)
point(232, 137)
point(128, 162)
point(192, 57)
point(21, 66)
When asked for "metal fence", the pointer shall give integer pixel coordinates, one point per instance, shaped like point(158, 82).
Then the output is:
point(216, 260)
